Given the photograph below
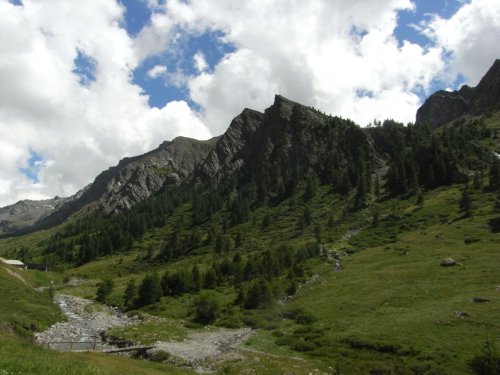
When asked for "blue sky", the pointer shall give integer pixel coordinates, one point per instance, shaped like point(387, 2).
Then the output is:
point(87, 83)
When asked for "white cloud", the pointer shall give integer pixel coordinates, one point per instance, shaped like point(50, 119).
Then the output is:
point(79, 131)
point(199, 62)
point(471, 36)
point(319, 53)
point(157, 71)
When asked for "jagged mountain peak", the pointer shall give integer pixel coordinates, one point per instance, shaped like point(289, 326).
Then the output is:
point(443, 107)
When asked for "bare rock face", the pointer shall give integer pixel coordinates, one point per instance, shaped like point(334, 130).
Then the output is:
point(444, 107)
point(136, 179)
point(232, 147)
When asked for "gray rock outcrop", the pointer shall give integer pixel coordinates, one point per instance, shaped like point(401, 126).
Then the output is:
point(444, 107)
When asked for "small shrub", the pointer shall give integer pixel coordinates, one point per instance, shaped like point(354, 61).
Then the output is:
point(303, 346)
point(487, 362)
point(206, 309)
point(300, 315)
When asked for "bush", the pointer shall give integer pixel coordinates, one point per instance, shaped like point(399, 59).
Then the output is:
point(206, 309)
point(300, 315)
point(104, 289)
point(488, 361)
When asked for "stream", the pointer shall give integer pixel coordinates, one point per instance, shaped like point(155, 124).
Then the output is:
point(83, 330)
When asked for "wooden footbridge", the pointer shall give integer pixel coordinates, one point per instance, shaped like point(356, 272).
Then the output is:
point(96, 346)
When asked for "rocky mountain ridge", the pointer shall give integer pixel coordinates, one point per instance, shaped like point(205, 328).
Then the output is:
point(444, 107)
point(117, 189)
point(27, 212)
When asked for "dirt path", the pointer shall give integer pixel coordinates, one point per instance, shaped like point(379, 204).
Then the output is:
point(203, 350)
point(16, 275)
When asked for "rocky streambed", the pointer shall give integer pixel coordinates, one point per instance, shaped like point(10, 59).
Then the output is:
point(83, 330)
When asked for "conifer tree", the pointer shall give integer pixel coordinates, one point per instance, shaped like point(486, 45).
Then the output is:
point(130, 293)
point(466, 202)
point(150, 290)
point(495, 175)
point(206, 309)
point(104, 289)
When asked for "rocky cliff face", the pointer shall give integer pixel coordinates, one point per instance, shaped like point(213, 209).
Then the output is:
point(135, 179)
point(443, 107)
point(232, 148)
point(117, 189)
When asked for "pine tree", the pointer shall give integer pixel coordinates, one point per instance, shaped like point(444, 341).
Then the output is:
point(150, 290)
point(360, 197)
point(266, 221)
point(196, 280)
point(104, 289)
point(130, 293)
point(376, 219)
point(377, 187)
point(495, 175)
point(344, 184)
point(311, 187)
point(307, 216)
point(466, 202)
point(318, 232)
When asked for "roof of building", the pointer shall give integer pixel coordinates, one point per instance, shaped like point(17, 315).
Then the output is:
point(13, 262)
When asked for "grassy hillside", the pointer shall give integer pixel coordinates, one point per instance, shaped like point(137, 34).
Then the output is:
point(392, 308)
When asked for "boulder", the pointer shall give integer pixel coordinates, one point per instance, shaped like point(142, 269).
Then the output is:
point(448, 262)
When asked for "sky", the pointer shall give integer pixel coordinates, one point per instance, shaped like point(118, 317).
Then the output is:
point(84, 84)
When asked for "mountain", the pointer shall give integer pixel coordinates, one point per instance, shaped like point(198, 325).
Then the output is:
point(26, 212)
point(443, 107)
point(280, 145)
point(117, 189)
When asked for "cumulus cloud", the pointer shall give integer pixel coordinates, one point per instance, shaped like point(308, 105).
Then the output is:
point(157, 71)
point(471, 36)
point(199, 62)
point(321, 53)
point(78, 130)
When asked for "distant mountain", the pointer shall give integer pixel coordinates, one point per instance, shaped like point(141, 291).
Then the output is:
point(443, 107)
point(26, 212)
point(115, 190)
